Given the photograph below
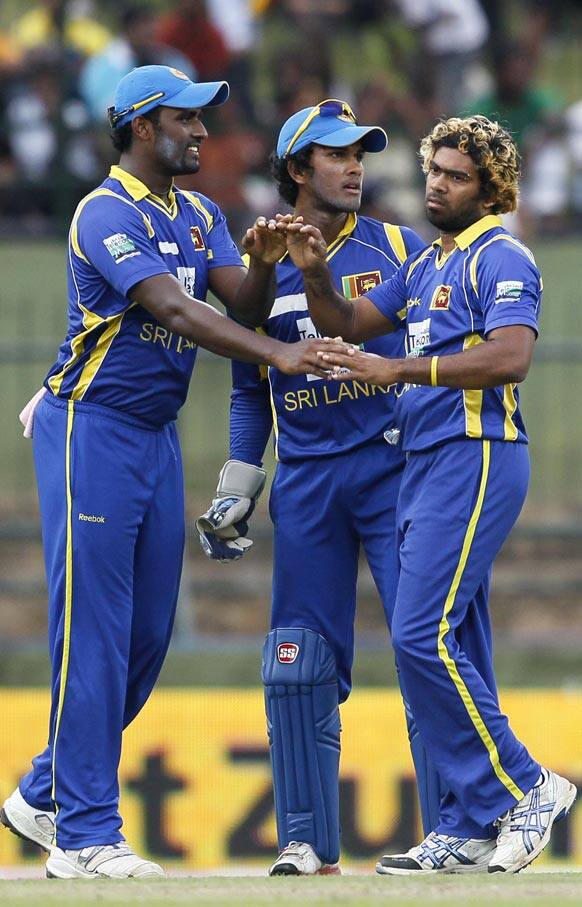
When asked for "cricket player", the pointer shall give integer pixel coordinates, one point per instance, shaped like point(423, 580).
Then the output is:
point(469, 307)
point(335, 488)
point(142, 257)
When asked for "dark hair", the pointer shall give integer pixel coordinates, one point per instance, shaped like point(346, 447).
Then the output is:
point(286, 185)
point(122, 136)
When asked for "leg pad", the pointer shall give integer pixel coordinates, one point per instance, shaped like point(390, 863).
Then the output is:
point(301, 702)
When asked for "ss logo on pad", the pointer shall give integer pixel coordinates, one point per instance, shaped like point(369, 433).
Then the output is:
point(287, 652)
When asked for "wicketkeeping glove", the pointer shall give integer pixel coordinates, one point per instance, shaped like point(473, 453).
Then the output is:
point(222, 529)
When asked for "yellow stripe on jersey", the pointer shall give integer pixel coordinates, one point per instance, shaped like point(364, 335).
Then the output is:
point(209, 219)
point(77, 346)
point(73, 237)
point(98, 354)
point(275, 423)
point(90, 322)
point(68, 592)
point(473, 399)
point(475, 259)
point(444, 628)
point(263, 369)
point(510, 431)
point(418, 260)
point(396, 240)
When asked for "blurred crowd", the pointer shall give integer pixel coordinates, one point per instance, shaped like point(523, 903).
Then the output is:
point(400, 63)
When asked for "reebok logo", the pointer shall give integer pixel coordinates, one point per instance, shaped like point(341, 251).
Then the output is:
point(287, 653)
point(91, 518)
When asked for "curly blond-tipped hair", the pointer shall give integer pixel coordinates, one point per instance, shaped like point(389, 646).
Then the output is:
point(492, 150)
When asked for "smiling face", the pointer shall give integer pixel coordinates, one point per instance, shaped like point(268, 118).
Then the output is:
point(333, 181)
point(176, 141)
point(454, 199)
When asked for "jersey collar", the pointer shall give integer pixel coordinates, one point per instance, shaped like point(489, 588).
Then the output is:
point(344, 234)
point(135, 187)
point(348, 227)
point(483, 225)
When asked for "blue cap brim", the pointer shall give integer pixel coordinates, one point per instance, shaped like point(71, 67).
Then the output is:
point(201, 94)
point(192, 96)
point(373, 138)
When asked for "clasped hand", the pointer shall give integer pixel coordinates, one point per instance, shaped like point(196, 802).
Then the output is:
point(269, 238)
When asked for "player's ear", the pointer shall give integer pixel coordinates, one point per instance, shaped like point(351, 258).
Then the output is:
point(142, 128)
point(489, 199)
point(297, 173)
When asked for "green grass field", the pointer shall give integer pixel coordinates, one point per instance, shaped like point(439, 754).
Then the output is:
point(529, 888)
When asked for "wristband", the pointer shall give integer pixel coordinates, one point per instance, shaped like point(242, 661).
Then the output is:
point(433, 371)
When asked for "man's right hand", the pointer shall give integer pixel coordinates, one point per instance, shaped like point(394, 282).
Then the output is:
point(301, 358)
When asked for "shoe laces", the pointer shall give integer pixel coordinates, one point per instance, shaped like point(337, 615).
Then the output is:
point(293, 847)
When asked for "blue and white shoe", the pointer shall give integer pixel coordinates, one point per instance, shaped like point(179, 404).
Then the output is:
point(439, 854)
point(107, 861)
point(28, 822)
point(524, 830)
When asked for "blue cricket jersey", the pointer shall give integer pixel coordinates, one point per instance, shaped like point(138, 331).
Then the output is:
point(312, 417)
point(448, 303)
point(115, 353)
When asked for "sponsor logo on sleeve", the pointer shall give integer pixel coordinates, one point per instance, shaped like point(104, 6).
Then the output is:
point(354, 285)
point(168, 248)
point(120, 246)
point(508, 291)
point(287, 653)
point(441, 298)
point(197, 238)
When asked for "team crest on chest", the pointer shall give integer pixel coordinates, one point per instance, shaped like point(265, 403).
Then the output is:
point(354, 285)
point(441, 298)
point(197, 239)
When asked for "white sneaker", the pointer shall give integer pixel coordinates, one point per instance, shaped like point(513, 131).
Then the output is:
point(110, 861)
point(27, 822)
point(439, 853)
point(299, 859)
point(524, 830)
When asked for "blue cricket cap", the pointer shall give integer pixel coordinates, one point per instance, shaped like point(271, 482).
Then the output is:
point(147, 87)
point(332, 123)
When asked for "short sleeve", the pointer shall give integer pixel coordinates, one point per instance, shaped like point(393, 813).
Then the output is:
point(112, 236)
point(221, 246)
point(390, 297)
point(508, 286)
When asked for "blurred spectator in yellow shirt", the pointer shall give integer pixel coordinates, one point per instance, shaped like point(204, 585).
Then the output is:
point(40, 26)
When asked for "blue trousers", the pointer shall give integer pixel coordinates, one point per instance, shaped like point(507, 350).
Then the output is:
point(322, 511)
point(457, 505)
point(112, 513)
